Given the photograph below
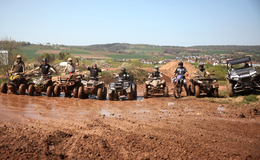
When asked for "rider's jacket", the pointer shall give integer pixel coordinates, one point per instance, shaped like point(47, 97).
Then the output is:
point(94, 71)
point(180, 71)
point(201, 73)
point(45, 68)
point(18, 67)
point(156, 74)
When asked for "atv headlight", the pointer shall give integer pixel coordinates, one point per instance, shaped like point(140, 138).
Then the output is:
point(199, 81)
point(236, 78)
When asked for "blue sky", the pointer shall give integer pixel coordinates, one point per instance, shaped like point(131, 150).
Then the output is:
point(158, 22)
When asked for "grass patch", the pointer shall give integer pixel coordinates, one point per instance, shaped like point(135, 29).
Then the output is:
point(250, 98)
point(29, 51)
point(78, 52)
point(3, 80)
point(222, 82)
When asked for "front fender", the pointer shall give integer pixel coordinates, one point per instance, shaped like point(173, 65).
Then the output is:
point(129, 89)
point(109, 90)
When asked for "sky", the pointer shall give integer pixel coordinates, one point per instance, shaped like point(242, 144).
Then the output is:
point(155, 22)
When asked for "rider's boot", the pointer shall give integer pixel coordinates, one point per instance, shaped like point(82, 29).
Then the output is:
point(186, 89)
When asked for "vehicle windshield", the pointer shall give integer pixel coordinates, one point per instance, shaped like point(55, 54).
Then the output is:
point(241, 66)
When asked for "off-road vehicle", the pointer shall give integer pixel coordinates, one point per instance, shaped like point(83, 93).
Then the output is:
point(206, 85)
point(68, 84)
point(156, 85)
point(43, 84)
point(17, 82)
point(241, 76)
point(92, 87)
point(124, 86)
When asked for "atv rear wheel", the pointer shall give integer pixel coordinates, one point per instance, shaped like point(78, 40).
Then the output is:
point(22, 89)
point(230, 90)
point(111, 96)
point(81, 92)
point(4, 87)
point(216, 92)
point(49, 91)
point(99, 94)
point(197, 91)
point(56, 91)
point(145, 92)
point(75, 92)
point(31, 90)
point(166, 93)
point(104, 96)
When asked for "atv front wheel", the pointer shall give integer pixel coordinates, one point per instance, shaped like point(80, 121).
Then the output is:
point(111, 96)
point(216, 92)
point(22, 89)
point(145, 92)
point(135, 92)
point(197, 91)
point(56, 91)
point(75, 92)
point(4, 87)
point(166, 93)
point(104, 96)
point(99, 94)
point(31, 90)
point(177, 91)
point(230, 90)
point(81, 92)
point(130, 95)
point(49, 91)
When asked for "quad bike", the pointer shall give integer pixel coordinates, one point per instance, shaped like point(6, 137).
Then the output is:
point(178, 81)
point(156, 85)
point(17, 82)
point(92, 87)
point(124, 86)
point(204, 85)
point(68, 84)
point(43, 84)
point(242, 78)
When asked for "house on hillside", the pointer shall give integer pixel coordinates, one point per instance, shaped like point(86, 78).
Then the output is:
point(191, 60)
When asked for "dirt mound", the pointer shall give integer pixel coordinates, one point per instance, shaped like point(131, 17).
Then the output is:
point(169, 68)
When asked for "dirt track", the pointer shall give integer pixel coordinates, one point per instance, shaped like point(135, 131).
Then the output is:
point(156, 128)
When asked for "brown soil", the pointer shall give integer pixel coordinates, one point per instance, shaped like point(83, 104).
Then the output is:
point(90, 56)
point(159, 127)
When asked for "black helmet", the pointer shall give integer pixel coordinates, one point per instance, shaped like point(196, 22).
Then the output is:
point(180, 63)
point(123, 69)
point(156, 67)
point(44, 59)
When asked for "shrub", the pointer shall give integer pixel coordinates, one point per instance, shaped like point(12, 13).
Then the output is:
point(250, 98)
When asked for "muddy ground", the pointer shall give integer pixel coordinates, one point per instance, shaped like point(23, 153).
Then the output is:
point(155, 128)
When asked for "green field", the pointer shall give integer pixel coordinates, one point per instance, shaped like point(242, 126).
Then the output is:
point(129, 56)
point(219, 52)
point(78, 52)
point(29, 51)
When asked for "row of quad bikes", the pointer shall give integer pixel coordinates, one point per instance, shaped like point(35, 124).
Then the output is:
point(75, 84)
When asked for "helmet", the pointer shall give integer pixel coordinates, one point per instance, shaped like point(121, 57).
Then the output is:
point(123, 69)
point(156, 68)
point(18, 56)
point(201, 65)
point(44, 59)
point(69, 59)
point(94, 65)
point(180, 63)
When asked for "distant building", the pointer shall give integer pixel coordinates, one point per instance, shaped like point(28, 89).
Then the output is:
point(4, 58)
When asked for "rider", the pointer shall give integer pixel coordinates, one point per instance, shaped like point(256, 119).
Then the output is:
point(123, 73)
point(94, 70)
point(18, 65)
point(180, 70)
point(201, 72)
point(156, 73)
point(71, 66)
point(45, 67)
